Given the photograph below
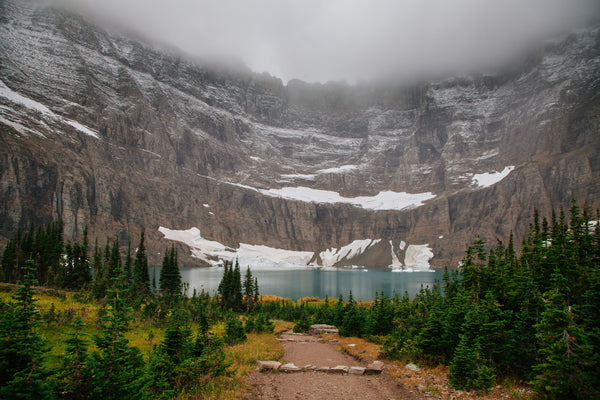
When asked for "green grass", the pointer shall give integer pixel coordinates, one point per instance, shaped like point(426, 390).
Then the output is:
point(55, 327)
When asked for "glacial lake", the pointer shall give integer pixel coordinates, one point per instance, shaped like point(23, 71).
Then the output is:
point(296, 283)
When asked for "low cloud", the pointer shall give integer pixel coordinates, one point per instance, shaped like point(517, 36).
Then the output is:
point(352, 40)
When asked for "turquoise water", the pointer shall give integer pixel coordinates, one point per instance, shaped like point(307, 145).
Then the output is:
point(304, 282)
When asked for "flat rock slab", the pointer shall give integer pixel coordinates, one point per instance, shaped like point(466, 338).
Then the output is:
point(290, 368)
point(356, 370)
point(375, 368)
point(339, 369)
point(318, 329)
point(268, 365)
point(289, 336)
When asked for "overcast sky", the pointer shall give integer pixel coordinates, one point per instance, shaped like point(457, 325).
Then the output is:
point(317, 41)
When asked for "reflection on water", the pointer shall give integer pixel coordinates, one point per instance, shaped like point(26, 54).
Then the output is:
point(298, 283)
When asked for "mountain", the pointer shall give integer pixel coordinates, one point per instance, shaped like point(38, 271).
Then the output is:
point(104, 130)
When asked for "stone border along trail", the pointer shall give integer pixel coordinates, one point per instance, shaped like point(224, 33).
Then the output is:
point(315, 369)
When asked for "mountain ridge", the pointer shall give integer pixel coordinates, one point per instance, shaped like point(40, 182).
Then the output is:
point(133, 138)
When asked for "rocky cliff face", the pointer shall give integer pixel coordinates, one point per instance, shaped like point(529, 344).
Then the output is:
point(103, 130)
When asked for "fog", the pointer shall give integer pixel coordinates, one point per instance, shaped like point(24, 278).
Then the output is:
point(350, 40)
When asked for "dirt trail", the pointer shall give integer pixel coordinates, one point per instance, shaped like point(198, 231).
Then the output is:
point(305, 349)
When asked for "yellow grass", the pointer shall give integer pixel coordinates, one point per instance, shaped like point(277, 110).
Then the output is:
point(269, 298)
point(362, 350)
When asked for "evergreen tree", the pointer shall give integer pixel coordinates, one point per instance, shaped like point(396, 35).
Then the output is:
point(127, 266)
point(71, 382)
point(9, 262)
point(83, 275)
point(170, 278)
point(116, 370)
point(22, 369)
point(176, 344)
point(468, 370)
point(256, 293)
point(224, 288)
point(114, 263)
point(236, 285)
point(248, 290)
point(230, 288)
point(141, 276)
point(565, 351)
point(234, 330)
point(99, 287)
point(353, 321)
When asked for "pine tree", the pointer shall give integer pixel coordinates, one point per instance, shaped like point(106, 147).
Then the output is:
point(353, 322)
point(230, 287)
point(9, 261)
point(234, 330)
point(141, 276)
point(127, 266)
point(176, 344)
point(114, 262)
point(71, 382)
point(256, 293)
point(170, 278)
point(116, 370)
point(248, 289)
point(565, 351)
point(22, 369)
point(236, 284)
point(225, 288)
point(82, 263)
point(99, 287)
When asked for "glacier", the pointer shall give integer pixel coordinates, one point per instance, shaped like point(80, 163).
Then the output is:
point(264, 257)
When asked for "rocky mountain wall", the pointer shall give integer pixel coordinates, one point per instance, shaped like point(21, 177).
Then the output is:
point(102, 130)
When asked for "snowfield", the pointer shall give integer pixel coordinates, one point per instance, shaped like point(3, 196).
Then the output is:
point(265, 257)
point(387, 200)
point(491, 178)
point(332, 256)
point(16, 98)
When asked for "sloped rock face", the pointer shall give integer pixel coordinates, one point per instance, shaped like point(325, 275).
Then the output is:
point(104, 131)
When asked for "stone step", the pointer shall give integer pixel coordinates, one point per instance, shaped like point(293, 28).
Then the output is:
point(372, 369)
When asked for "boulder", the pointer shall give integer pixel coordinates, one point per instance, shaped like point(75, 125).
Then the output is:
point(412, 367)
point(268, 365)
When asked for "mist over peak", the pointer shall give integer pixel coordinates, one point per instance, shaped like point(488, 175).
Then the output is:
point(349, 40)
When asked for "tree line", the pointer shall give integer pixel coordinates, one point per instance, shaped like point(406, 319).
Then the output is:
point(533, 316)
point(105, 365)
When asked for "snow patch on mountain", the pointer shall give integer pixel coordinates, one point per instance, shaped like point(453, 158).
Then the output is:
point(260, 256)
point(386, 200)
point(15, 97)
point(206, 250)
point(338, 170)
point(491, 178)
point(16, 126)
point(332, 256)
point(396, 263)
point(417, 257)
point(31, 104)
point(82, 128)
